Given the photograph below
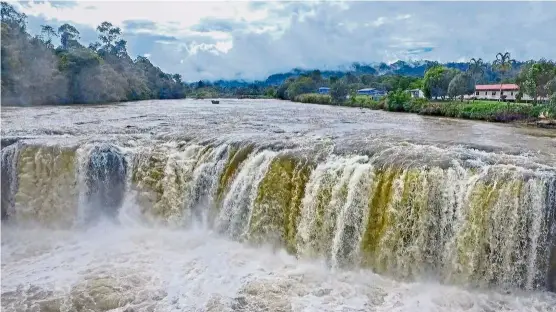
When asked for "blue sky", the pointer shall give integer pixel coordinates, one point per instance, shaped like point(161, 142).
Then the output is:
point(252, 39)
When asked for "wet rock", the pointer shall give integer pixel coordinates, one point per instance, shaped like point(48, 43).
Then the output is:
point(51, 305)
point(322, 292)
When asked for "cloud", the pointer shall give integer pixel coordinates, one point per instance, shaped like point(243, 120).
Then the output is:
point(138, 25)
point(213, 40)
point(216, 24)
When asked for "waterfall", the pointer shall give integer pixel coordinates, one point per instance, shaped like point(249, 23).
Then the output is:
point(409, 211)
point(105, 181)
point(9, 178)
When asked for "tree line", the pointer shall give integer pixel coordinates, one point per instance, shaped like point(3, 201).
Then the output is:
point(55, 68)
point(440, 81)
point(534, 78)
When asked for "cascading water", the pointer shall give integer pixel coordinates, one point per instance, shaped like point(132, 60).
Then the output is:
point(184, 223)
point(9, 178)
point(105, 176)
point(464, 222)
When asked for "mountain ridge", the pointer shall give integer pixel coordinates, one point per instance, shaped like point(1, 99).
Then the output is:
point(403, 68)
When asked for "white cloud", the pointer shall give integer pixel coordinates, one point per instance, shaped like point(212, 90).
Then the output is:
point(211, 40)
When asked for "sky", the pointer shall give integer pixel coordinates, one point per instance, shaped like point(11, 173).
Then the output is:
point(250, 40)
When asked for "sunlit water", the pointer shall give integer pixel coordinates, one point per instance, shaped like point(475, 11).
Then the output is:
point(145, 260)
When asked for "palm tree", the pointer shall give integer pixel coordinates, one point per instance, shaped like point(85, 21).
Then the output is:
point(503, 64)
point(476, 66)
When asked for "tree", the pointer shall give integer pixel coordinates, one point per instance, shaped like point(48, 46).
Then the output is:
point(461, 85)
point(436, 81)
point(47, 33)
point(120, 49)
point(476, 69)
point(503, 64)
point(537, 79)
point(316, 76)
point(550, 86)
point(395, 100)
point(108, 33)
point(552, 101)
point(68, 35)
point(110, 38)
point(33, 73)
point(300, 86)
point(13, 18)
point(177, 78)
point(338, 92)
point(94, 46)
point(350, 78)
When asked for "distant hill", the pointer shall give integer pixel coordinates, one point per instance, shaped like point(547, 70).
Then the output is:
point(415, 69)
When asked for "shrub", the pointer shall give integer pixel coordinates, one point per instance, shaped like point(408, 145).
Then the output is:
point(314, 98)
point(396, 100)
point(415, 105)
point(364, 101)
point(489, 111)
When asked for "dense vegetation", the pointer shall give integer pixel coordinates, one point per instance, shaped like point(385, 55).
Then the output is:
point(36, 70)
point(444, 89)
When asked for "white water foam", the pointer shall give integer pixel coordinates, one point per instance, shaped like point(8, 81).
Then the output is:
point(136, 266)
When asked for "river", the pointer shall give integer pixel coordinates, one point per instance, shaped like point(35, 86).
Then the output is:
point(263, 205)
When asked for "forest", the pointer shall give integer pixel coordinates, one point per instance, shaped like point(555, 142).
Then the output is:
point(55, 68)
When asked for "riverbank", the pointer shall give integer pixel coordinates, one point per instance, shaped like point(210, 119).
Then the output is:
point(533, 115)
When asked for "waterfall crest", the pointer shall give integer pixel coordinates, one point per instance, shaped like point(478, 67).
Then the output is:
point(409, 211)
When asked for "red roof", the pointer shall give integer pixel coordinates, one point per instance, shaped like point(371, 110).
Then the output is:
point(496, 87)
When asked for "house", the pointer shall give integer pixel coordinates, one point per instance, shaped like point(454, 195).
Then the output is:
point(324, 90)
point(509, 92)
point(492, 91)
point(416, 93)
point(372, 92)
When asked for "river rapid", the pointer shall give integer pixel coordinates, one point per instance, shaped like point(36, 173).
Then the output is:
point(263, 205)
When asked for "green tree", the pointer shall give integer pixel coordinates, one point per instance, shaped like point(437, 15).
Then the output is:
point(537, 79)
point(68, 36)
point(12, 18)
point(316, 76)
point(33, 73)
point(550, 86)
point(94, 46)
point(350, 78)
point(476, 69)
point(395, 100)
point(461, 85)
point(270, 92)
point(338, 92)
point(108, 35)
point(177, 78)
point(47, 33)
point(552, 101)
point(503, 64)
point(436, 81)
point(302, 85)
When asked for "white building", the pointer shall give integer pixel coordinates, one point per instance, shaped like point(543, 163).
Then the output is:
point(492, 92)
point(416, 93)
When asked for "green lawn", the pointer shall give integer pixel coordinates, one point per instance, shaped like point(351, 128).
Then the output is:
point(478, 110)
